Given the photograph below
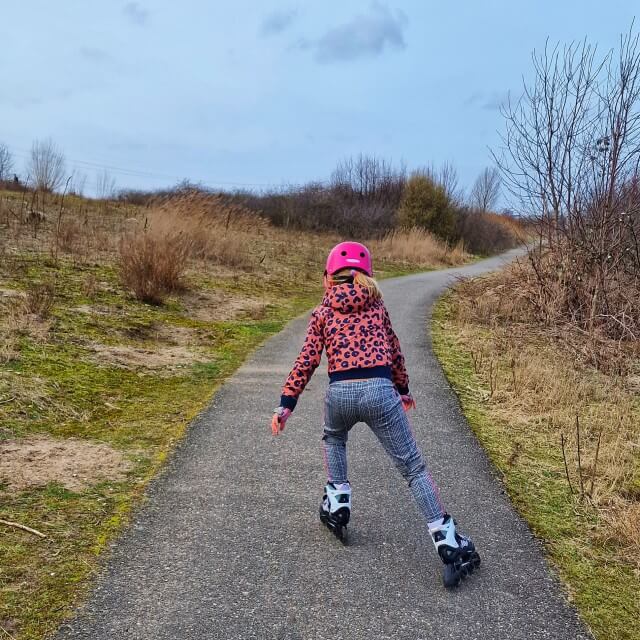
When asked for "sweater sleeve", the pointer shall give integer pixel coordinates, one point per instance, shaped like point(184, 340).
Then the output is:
point(305, 364)
point(400, 377)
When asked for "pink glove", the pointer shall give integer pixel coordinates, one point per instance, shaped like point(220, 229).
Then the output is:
point(408, 402)
point(280, 417)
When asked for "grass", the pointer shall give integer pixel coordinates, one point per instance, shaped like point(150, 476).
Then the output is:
point(143, 415)
point(67, 322)
point(520, 390)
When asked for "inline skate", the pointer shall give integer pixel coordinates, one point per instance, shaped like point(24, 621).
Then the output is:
point(335, 509)
point(456, 551)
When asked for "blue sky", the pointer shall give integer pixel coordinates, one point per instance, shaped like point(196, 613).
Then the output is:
point(273, 92)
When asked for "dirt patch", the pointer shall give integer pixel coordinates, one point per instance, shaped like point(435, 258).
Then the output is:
point(174, 335)
point(211, 306)
point(76, 464)
point(128, 357)
point(11, 293)
point(94, 310)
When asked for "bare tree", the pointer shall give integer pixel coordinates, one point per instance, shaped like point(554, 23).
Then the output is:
point(571, 157)
point(445, 176)
point(448, 178)
point(46, 165)
point(78, 183)
point(105, 186)
point(486, 190)
point(369, 178)
point(364, 192)
point(6, 162)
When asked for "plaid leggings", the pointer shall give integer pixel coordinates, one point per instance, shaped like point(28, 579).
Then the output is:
point(377, 403)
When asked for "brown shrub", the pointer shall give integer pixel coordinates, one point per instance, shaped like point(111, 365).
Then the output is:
point(90, 286)
point(39, 299)
point(417, 246)
point(152, 263)
point(538, 293)
point(155, 252)
point(485, 233)
point(69, 235)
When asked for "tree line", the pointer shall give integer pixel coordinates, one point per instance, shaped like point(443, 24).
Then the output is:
point(365, 196)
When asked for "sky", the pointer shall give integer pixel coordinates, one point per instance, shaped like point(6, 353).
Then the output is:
point(265, 94)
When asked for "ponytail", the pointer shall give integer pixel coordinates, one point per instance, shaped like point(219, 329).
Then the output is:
point(366, 282)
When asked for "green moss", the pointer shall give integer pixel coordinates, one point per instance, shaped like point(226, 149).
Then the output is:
point(604, 591)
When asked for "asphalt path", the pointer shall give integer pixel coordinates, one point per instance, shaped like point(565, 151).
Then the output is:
point(228, 544)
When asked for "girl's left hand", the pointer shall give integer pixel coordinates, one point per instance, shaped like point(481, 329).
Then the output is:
point(408, 402)
point(280, 417)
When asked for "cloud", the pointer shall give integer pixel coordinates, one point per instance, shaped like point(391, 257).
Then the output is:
point(278, 21)
point(366, 35)
point(136, 13)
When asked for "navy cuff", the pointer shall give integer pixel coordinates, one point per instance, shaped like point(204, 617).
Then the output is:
point(288, 402)
point(403, 391)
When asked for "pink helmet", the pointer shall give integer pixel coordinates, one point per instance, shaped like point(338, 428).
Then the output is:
point(349, 255)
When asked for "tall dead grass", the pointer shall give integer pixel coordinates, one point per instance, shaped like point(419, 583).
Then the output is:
point(542, 383)
point(156, 251)
point(152, 265)
point(418, 246)
point(217, 231)
point(74, 227)
point(25, 313)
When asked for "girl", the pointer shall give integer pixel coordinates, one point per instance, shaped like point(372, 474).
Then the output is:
point(368, 383)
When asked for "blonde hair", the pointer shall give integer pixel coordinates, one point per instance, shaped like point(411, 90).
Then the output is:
point(359, 278)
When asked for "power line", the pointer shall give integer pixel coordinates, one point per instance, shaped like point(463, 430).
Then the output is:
point(137, 173)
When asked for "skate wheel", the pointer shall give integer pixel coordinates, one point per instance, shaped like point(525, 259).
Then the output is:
point(341, 534)
point(338, 530)
point(451, 576)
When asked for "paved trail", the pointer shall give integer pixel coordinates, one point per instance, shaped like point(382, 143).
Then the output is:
point(229, 546)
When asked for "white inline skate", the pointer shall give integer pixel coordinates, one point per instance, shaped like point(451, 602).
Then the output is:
point(456, 551)
point(335, 509)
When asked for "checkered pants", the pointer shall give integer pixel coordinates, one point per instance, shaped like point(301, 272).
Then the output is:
point(377, 403)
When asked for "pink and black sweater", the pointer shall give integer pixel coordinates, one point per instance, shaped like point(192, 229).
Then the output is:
point(356, 332)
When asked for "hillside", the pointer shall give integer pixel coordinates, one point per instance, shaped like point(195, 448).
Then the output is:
point(97, 385)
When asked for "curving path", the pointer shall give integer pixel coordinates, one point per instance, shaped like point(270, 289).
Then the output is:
point(229, 546)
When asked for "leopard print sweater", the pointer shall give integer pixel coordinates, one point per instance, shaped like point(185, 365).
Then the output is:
point(355, 329)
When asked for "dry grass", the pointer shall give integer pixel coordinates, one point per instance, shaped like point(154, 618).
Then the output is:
point(418, 246)
point(24, 314)
point(152, 264)
point(39, 299)
point(564, 435)
point(541, 383)
point(85, 230)
point(215, 231)
point(155, 254)
point(586, 290)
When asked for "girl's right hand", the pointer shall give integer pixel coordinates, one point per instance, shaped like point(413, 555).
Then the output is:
point(280, 417)
point(408, 402)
